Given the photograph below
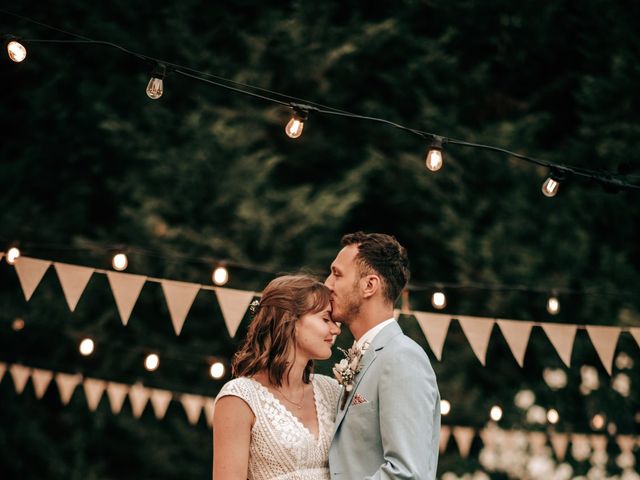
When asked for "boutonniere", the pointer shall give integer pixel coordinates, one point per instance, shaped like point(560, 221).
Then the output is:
point(346, 369)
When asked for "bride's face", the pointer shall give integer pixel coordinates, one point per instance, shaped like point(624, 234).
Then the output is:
point(315, 333)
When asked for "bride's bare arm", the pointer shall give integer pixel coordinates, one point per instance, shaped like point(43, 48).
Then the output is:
point(232, 422)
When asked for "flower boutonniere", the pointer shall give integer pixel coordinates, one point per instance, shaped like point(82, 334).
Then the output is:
point(346, 370)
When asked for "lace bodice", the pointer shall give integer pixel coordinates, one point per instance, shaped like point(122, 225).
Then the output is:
point(281, 447)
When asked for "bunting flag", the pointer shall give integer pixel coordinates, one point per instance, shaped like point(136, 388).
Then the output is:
point(192, 406)
point(66, 385)
point(598, 442)
point(517, 334)
point(435, 327)
point(445, 433)
point(116, 393)
point(74, 280)
point(179, 297)
point(636, 334)
point(477, 330)
point(160, 402)
point(93, 390)
point(138, 396)
point(20, 375)
point(464, 439)
point(537, 442)
point(561, 337)
point(604, 340)
point(234, 304)
point(3, 368)
point(626, 443)
point(559, 443)
point(41, 380)
point(30, 272)
point(126, 289)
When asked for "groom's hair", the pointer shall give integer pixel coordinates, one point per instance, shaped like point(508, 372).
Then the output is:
point(383, 255)
point(272, 335)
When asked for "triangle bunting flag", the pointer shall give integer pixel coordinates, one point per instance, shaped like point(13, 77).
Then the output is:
point(41, 380)
point(234, 304)
point(604, 340)
point(192, 405)
point(477, 330)
point(160, 402)
point(126, 289)
point(464, 439)
point(561, 337)
point(138, 396)
point(74, 280)
point(20, 375)
point(67, 383)
point(30, 272)
point(516, 334)
point(180, 297)
point(93, 390)
point(116, 393)
point(435, 327)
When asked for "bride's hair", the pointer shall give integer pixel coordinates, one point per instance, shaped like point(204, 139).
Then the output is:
point(271, 335)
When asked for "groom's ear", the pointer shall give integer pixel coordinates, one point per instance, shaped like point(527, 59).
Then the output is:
point(370, 285)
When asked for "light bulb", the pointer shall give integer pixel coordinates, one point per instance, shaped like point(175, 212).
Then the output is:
point(152, 362)
point(597, 422)
point(220, 276)
point(17, 52)
point(294, 127)
point(445, 407)
point(12, 255)
point(155, 88)
point(553, 305)
point(119, 262)
point(550, 187)
point(17, 324)
point(217, 370)
point(439, 300)
point(86, 347)
point(553, 416)
point(495, 413)
point(434, 160)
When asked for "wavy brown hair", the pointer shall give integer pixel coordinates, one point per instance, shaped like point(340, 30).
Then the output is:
point(272, 334)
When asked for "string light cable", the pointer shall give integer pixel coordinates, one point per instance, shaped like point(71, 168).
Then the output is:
point(610, 182)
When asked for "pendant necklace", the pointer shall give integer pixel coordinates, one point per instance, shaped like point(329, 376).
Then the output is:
point(297, 404)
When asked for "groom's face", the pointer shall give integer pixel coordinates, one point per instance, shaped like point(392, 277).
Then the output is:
point(344, 283)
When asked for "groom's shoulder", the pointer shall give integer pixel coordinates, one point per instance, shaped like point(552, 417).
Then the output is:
point(404, 346)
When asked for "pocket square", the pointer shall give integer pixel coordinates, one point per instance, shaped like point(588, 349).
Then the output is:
point(358, 399)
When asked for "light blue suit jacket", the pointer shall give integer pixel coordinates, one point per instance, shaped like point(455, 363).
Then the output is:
point(395, 433)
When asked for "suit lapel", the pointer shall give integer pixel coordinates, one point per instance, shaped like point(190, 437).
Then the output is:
point(381, 339)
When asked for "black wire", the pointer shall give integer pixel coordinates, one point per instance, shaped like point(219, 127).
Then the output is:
point(613, 181)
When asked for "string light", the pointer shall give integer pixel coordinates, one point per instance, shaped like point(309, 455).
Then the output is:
point(438, 300)
point(12, 255)
point(434, 154)
point(220, 275)
point(597, 422)
point(155, 87)
point(296, 123)
point(87, 347)
point(553, 305)
point(552, 183)
point(17, 51)
point(17, 324)
point(445, 407)
point(553, 416)
point(217, 370)
point(495, 413)
point(152, 362)
point(119, 262)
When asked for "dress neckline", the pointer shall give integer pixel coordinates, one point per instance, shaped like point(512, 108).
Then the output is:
point(290, 413)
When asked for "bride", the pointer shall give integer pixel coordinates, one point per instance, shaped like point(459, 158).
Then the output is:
point(275, 419)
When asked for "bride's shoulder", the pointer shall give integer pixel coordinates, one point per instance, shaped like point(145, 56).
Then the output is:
point(236, 386)
point(325, 381)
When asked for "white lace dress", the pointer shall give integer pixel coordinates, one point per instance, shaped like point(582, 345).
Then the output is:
point(281, 447)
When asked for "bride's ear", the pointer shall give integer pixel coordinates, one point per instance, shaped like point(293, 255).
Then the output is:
point(370, 285)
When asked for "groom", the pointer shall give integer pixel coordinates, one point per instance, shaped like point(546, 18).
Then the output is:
point(388, 425)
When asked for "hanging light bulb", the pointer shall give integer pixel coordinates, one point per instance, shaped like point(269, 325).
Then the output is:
point(86, 346)
point(434, 154)
point(119, 262)
point(155, 86)
point(220, 275)
point(16, 50)
point(438, 300)
point(217, 370)
point(445, 407)
point(553, 416)
point(553, 305)
point(552, 183)
point(152, 362)
point(495, 413)
point(12, 255)
point(296, 123)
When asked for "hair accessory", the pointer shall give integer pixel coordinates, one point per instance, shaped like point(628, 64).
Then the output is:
point(253, 306)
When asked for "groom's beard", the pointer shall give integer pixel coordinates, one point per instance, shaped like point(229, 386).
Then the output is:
point(350, 309)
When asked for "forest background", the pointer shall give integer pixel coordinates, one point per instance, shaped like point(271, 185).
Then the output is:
point(91, 164)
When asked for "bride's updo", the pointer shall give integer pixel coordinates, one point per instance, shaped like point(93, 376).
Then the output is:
point(272, 334)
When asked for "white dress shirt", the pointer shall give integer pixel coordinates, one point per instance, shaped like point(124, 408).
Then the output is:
point(371, 333)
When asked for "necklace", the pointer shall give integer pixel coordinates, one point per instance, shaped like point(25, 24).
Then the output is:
point(297, 404)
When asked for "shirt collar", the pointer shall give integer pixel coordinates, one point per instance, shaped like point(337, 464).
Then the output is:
point(371, 333)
